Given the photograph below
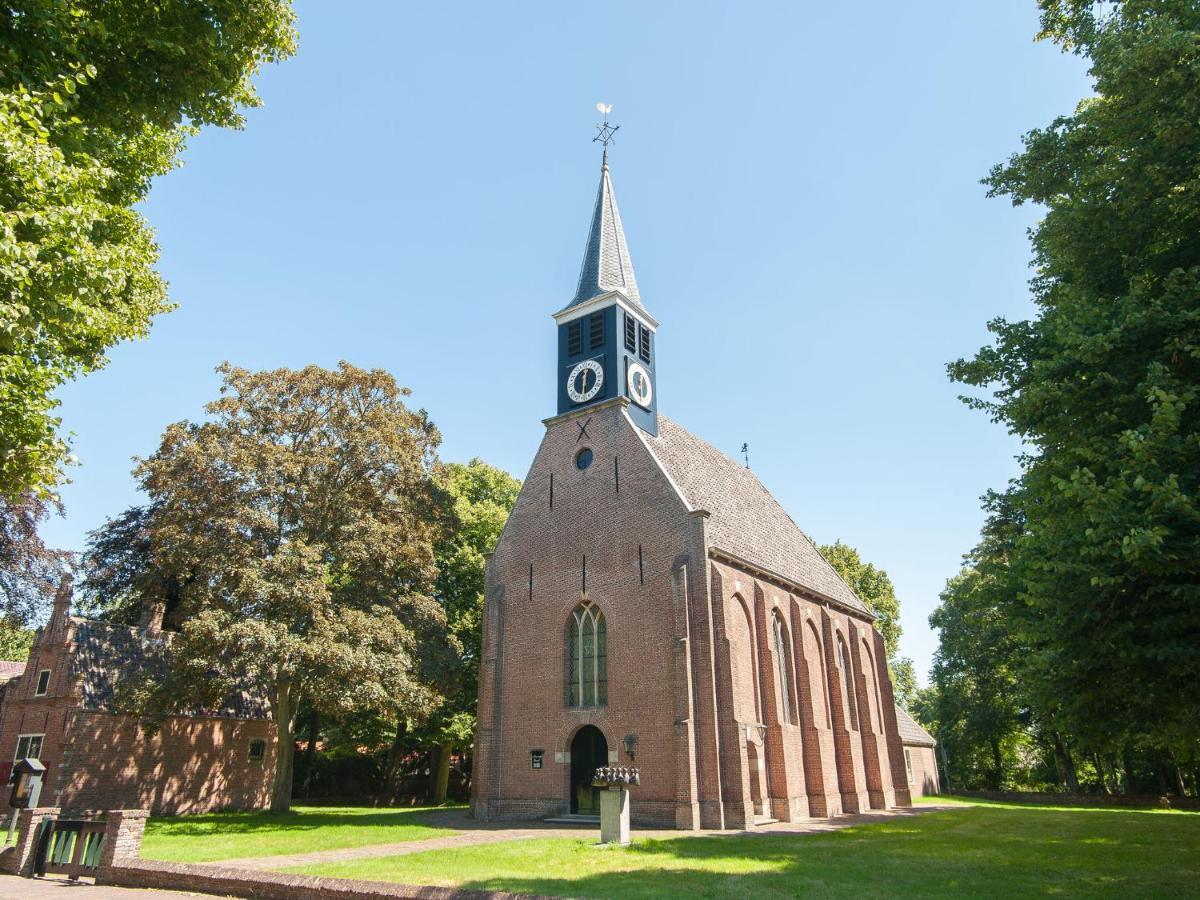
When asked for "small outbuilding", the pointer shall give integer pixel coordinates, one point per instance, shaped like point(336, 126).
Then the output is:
point(920, 758)
point(61, 709)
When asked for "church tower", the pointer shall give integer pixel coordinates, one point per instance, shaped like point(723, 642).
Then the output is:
point(605, 334)
point(649, 603)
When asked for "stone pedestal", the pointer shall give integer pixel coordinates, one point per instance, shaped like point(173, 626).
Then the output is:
point(614, 815)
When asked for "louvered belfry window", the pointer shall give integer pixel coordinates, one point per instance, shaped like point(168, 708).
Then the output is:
point(643, 342)
point(596, 329)
point(574, 338)
point(587, 657)
point(630, 333)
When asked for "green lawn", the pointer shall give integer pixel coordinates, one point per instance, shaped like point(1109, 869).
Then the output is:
point(305, 829)
point(974, 851)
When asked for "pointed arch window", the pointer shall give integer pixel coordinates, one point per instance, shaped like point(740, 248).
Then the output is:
point(587, 657)
point(783, 667)
point(844, 674)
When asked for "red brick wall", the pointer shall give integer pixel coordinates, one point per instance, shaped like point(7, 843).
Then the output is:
point(190, 765)
point(522, 690)
point(691, 654)
point(924, 772)
point(97, 760)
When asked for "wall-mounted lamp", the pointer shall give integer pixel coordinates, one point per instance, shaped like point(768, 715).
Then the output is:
point(630, 744)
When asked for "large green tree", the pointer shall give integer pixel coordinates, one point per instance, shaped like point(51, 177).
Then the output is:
point(96, 99)
point(304, 513)
point(1103, 384)
point(482, 497)
point(874, 587)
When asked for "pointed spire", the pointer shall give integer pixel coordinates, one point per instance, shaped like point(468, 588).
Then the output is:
point(606, 263)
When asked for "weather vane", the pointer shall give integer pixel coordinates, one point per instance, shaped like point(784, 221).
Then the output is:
point(605, 130)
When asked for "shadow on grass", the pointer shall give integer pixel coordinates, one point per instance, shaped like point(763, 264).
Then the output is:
point(976, 851)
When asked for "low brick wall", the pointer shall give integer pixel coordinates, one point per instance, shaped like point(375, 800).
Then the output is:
point(226, 881)
point(1137, 801)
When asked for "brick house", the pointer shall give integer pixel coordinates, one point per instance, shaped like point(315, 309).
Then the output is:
point(920, 758)
point(60, 710)
point(650, 602)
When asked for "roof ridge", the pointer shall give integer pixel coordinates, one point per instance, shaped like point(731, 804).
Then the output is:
point(820, 576)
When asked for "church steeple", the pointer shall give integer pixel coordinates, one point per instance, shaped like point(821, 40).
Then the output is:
point(606, 262)
point(605, 335)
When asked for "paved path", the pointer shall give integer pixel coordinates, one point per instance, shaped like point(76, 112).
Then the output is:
point(13, 888)
point(475, 833)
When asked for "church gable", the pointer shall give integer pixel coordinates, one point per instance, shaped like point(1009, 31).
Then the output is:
point(621, 500)
point(745, 520)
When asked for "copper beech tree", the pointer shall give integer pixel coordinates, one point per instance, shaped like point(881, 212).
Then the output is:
point(305, 512)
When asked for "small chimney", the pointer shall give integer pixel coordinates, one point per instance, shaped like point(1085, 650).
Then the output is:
point(62, 600)
point(152, 617)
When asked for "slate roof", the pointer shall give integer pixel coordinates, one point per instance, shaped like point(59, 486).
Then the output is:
point(606, 263)
point(745, 520)
point(105, 653)
point(911, 731)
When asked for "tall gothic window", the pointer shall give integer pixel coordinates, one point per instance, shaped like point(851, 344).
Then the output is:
point(783, 667)
point(844, 670)
point(587, 657)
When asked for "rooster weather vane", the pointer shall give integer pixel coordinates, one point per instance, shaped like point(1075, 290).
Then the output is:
point(605, 131)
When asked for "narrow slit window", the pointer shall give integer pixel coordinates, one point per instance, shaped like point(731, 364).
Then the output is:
point(630, 333)
point(644, 342)
point(596, 330)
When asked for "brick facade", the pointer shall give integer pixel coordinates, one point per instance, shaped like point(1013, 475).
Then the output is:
point(97, 759)
point(726, 673)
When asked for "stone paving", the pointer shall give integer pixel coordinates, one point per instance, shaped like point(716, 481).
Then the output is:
point(14, 888)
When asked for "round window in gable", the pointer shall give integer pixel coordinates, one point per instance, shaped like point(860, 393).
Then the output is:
point(583, 458)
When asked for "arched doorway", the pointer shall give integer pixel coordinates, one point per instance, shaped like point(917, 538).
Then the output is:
point(754, 764)
point(589, 751)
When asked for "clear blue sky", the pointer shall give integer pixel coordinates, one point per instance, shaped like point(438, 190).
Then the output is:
point(799, 184)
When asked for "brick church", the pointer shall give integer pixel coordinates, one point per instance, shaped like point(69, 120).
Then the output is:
point(650, 603)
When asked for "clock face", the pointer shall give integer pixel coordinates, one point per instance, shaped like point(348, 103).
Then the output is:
point(585, 381)
point(640, 388)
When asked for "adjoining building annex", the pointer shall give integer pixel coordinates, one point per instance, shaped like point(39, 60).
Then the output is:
point(649, 602)
point(62, 710)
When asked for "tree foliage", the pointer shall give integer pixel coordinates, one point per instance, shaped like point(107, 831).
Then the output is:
point(30, 573)
point(482, 497)
point(874, 587)
point(298, 527)
point(1101, 568)
point(96, 99)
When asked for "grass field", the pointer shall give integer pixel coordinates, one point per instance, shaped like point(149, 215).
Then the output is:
point(305, 829)
point(992, 850)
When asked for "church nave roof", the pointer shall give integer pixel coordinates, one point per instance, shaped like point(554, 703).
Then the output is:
point(745, 520)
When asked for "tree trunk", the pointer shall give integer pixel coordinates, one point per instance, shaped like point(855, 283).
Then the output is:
point(310, 752)
point(285, 747)
point(392, 776)
point(1127, 764)
point(997, 764)
point(441, 779)
point(1178, 774)
point(1068, 763)
point(1099, 764)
